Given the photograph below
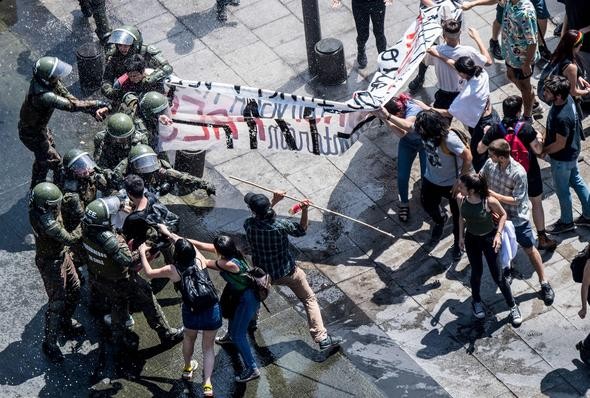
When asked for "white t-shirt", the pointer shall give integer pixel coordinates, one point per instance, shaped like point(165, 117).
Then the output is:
point(447, 76)
point(471, 102)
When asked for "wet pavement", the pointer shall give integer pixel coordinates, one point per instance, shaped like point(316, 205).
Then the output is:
point(402, 306)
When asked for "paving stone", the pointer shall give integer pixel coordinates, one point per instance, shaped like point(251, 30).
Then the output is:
point(261, 13)
point(179, 45)
point(198, 66)
point(131, 14)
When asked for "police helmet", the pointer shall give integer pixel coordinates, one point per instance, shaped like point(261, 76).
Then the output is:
point(127, 35)
point(78, 162)
point(100, 212)
point(143, 159)
point(120, 127)
point(47, 68)
point(45, 195)
point(153, 103)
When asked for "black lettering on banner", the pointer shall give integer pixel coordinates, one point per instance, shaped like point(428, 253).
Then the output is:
point(251, 112)
point(273, 95)
point(286, 133)
point(208, 85)
point(390, 55)
point(237, 89)
point(280, 111)
point(242, 102)
point(229, 140)
point(313, 130)
point(259, 92)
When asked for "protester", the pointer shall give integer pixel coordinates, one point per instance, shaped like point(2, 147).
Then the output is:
point(507, 182)
point(448, 158)
point(563, 145)
point(206, 319)
point(269, 241)
point(577, 16)
point(519, 47)
point(533, 143)
point(566, 56)
point(399, 114)
point(483, 237)
point(472, 106)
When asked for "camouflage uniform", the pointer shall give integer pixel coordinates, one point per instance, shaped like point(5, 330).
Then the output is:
point(36, 111)
point(57, 270)
point(97, 9)
point(108, 153)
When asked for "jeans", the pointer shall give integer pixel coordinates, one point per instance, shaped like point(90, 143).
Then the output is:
point(409, 146)
point(238, 326)
point(566, 175)
point(297, 282)
point(431, 196)
point(364, 11)
point(475, 246)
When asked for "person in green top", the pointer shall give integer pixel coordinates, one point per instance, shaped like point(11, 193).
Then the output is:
point(479, 235)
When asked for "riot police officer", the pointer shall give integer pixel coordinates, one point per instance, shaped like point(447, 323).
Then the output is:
point(97, 9)
point(55, 265)
point(47, 93)
point(112, 271)
point(159, 176)
point(148, 113)
point(113, 144)
point(127, 41)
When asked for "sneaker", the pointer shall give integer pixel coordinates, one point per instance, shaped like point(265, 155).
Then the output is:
point(582, 221)
point(187, 372)
point(478, 311)
point(73, 328)
point(515, 316)
point(52, 352)
point(547, 294)
point(361, 58)
point(546, 244)
point(172, 336)
point(128, 323)
point(537, 110)
point(247, 375)
point(508, 275)
point(221, 14)
point(416, 84)
point(545, 53)
point(457, 253)
point(495, 50)
point(560, 227)
point(223, 340)
point(437, 230)
point(330, 342)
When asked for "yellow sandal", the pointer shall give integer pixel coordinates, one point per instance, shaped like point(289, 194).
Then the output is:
point(207, 390)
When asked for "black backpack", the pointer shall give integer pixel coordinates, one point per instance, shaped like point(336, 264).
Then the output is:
point(197, 289)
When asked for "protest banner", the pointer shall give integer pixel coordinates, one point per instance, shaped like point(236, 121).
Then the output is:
point(207, 115)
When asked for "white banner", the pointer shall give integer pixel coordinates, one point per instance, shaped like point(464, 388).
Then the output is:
point(208, 115)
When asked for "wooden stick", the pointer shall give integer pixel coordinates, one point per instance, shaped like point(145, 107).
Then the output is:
point(317, 207)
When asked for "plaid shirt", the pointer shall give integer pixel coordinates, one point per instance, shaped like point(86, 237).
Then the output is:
point(509, 182)
point(269, 243)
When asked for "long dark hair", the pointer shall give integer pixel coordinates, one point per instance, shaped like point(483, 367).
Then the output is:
point(431, 126)
point(397, 105)
point(227, 248)
point(184, 254)
point(477, 183)
point(467, 65)
point(565, 47)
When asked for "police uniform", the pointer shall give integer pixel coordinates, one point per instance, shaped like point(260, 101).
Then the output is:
point(97, 9)
point(108, 154)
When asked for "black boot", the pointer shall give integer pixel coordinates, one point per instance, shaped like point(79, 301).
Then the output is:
point(361, 58)
point(73, 328)
point(418, 81)
point(171, 336)
point(221, 12)
point(52, 351)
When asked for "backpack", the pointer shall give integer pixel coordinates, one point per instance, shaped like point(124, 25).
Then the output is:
point(551, 69)
point(259, 282)
point(518, 150)
point(465, 139)
point(197, 289)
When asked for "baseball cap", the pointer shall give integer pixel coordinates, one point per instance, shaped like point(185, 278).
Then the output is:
point(258, 203)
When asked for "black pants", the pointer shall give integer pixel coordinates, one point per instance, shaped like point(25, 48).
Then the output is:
point(477, 133)
point(431, 196)
point(365, 11)
point(475, 246)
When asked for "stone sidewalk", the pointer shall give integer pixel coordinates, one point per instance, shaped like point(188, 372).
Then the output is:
point(397, 302)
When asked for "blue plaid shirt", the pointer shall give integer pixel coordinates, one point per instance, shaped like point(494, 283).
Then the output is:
point(269, 242)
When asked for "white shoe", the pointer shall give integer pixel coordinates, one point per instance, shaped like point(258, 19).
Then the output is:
point(128, 323)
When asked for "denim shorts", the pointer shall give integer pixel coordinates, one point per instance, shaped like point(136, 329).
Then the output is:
point(540, 9)
point(524, 235)
point(207, 319)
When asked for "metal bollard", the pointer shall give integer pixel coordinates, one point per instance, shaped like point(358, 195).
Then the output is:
point(90, 65)
point(192, 162)
point(331, 62)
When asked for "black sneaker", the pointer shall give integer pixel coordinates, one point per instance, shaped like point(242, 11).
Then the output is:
point(221, 14)
point(508, 275)
point(52, 352)
point(223, 340)
point(361, 58)
point(582, 221)
point(547, 293)
point(330, 342)
point(247, 375)
point(515, 316)
point(545, 53)
point(172, 336)
point(416, 84)
point(495, 50)
point(560, 227)
point(437, 230)
point(457, 253)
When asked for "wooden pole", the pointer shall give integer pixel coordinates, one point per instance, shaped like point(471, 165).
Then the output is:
point(317, 207)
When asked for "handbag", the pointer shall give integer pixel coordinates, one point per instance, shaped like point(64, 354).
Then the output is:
point(229, 301)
